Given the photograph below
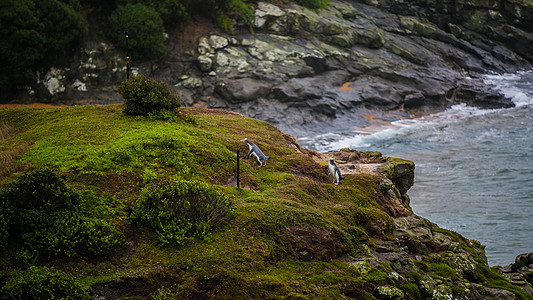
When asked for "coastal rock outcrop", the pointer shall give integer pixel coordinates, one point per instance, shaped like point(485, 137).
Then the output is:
point(520, 272)
point(308, 71)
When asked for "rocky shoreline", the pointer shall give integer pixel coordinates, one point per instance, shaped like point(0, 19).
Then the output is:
point(309, 71)
point(415, 238)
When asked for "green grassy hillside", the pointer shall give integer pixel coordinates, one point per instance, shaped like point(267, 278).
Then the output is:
point(288, 232)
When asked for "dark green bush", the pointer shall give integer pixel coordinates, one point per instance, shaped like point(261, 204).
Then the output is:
point(50, 233)
point(50, 219)
point(180, 210)
point(42, 283)
point(148, 97)
point(314, 4)
point(171, 11)
point(6, 213)
point(145, 28)
point(34, 35)
point(40, 189)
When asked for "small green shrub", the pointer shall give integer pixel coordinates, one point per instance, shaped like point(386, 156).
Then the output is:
point(148, 176)
point(27, 258)
point(42, 283)
point(49, 217)
point(314, 4)
point(148, 97)
point(442, 270)
point(411, 290)
point(98, 237)
point(180, 210)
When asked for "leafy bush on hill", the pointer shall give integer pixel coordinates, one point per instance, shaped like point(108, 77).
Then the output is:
point(50, 218)
point(148, 97)
point(181, 209)
point(42, 283)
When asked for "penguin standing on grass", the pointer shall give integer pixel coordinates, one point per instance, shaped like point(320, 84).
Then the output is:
point(261, 157)
point(334, 172)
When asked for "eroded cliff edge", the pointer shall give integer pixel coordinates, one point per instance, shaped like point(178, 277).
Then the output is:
point(446, 265)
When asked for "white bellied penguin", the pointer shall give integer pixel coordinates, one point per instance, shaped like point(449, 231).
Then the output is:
point(261, 157)
point(334, 172)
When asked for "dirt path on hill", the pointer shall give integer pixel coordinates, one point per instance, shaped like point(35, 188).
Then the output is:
point(31, 105)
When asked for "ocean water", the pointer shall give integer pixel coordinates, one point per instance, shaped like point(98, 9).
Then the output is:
point(474, 167)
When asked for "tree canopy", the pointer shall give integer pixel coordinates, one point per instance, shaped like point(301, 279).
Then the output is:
point(34, 34)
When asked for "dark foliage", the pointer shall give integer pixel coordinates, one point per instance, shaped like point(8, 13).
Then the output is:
point(144, 26)
point(42, 283)
point(33, 35)
point(48, 216)
point(171, 11)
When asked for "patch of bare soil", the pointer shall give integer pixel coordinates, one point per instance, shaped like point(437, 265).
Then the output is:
point(302, 168)
point(129, 247)
point(186, 35)
point(209, 111)
point(30, 105)
point(124, 288)
point(315, 244)
point(121, 185)
point(352, 161)
point(204, 289)
point(181, 41)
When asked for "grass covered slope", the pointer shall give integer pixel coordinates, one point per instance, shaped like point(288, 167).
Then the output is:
point(288, 233)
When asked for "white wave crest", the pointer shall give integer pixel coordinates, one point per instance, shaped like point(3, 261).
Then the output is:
point(516, 86)
point(423, 127)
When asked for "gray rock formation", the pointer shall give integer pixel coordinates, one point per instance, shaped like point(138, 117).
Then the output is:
point(309, 71)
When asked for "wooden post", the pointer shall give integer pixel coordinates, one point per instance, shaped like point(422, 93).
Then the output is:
point(238, 170)
point(127, 57)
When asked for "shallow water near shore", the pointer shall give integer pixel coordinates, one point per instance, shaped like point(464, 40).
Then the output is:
point(474, 168)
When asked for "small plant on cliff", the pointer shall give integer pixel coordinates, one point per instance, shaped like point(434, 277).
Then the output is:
point(181, 209)
point(42, 283)
point(223, 11)
point(148, 97)
point(314, 4)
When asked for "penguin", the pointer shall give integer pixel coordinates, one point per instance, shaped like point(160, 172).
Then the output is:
point(261, 157)
point(334, 172)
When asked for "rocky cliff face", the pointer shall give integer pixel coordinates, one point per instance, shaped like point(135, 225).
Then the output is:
point(445, 264)
point(304, 70)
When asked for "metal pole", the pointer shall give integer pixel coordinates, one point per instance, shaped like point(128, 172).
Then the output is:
point(127, 57)
point(238, 171)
